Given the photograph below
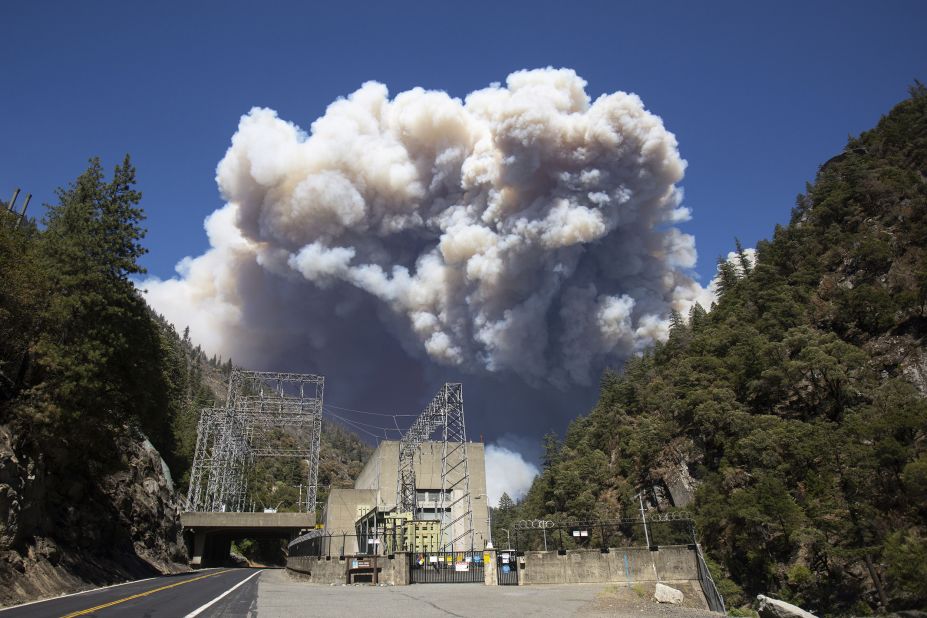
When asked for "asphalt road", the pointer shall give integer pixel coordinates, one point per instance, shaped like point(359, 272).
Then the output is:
point(168, 596)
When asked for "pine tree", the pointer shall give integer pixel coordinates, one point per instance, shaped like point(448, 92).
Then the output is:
point(97, 345)
point(727, 276)
point(697, 315)
point(743, 260)
point(551, 450)
point(676, 320)
point(506, 503)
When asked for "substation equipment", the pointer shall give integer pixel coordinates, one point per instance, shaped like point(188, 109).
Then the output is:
point(443, 419)
point(266, 414)
point(433, 516)
point(270, 414)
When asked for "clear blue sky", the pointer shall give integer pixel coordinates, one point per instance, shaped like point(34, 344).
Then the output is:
point(758, 94)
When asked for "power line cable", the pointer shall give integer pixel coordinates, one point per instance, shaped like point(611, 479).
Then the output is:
point(343, 409)
point(361, 429)
point(332, 414)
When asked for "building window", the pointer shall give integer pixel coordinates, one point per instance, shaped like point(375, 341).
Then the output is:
point(431, 495)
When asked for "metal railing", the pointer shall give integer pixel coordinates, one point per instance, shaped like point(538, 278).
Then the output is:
point(712, 595)
point(321, 544)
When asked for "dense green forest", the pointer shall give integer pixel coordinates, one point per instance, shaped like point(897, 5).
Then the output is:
point(796, 404)
point(84, 361)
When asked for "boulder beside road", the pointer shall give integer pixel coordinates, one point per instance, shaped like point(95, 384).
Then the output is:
point(774, 608)
point(666, 594)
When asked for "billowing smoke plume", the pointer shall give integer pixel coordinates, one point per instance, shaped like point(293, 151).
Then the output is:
point(524, 229)
point(507, 472)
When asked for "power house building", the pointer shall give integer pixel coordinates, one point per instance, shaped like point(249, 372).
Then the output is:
point(450, 507)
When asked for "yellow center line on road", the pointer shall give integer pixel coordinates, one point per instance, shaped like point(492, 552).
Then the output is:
point(141, 594)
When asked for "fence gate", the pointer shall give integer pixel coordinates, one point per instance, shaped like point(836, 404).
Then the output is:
point(507, 568)
point(446, 567)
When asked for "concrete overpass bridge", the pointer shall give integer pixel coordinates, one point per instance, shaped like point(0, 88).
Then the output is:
point(209, 536)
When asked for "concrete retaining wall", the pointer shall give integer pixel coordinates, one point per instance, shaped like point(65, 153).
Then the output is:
point(673, 565)
point(588, 566)
point(390, 571)
point(676, 566)
point(322, 571)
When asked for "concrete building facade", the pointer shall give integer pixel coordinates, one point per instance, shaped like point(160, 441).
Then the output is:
point(376, 488)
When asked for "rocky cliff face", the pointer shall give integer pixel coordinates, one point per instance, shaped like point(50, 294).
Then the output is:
point(62, 530)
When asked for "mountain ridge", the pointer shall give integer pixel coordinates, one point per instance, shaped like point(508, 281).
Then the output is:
point(790, 419)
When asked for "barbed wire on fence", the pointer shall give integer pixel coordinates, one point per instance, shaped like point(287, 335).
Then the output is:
point(538, 524)
point(534, 524)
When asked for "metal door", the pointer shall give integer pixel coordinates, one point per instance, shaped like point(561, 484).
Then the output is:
point(507, 568)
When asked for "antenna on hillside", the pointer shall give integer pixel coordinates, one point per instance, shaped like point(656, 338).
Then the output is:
point(11, 206)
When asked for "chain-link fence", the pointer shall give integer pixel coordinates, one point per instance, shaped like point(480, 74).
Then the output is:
point(652, 531)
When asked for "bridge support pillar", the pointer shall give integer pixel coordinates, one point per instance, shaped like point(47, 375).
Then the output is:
point(199, 548)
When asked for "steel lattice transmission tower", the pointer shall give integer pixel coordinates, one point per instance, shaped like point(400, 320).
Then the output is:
point(265, 415)
point(443, 419)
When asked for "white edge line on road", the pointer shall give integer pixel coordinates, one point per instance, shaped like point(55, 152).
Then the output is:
point(199, 610)
point(74, 594)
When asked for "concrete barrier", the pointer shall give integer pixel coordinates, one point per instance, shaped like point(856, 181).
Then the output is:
point(390, 571)
point(588, 566)
point(319, 570)
point(676, 566)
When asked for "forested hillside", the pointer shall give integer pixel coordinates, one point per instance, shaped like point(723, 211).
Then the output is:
point(791, 419)
point(99, 400)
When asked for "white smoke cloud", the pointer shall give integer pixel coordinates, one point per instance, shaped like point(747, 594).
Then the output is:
point(524, 229)
point(507, 472)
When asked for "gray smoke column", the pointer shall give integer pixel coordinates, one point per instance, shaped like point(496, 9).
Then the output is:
point(525, 229)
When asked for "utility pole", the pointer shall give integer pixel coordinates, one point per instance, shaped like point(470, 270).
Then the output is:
point(11, 207)
point(22, 215)
point(12, 202)
point(640, 497)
